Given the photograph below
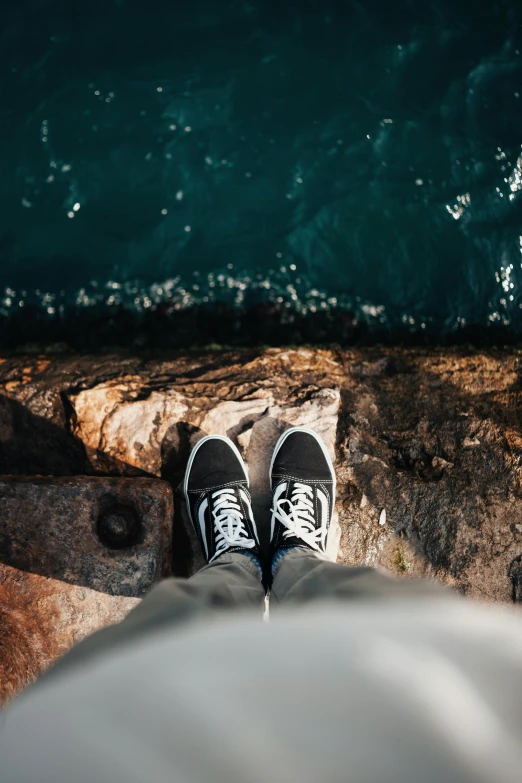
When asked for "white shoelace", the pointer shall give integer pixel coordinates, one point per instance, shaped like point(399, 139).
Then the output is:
point(228, 522)
point(299, 520)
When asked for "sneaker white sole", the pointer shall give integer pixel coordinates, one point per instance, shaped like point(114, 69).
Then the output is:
point(195, 451)
point(319, 440)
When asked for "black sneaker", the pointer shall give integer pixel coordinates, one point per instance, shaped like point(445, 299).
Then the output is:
point(218, 500)
point(302, 478)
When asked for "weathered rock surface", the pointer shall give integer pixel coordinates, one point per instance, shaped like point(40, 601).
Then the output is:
point(428, 446)
point(40, 619)
point(113, 535)
point(435, 440)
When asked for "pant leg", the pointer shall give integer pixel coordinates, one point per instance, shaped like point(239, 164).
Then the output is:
point(230, 582)
point(303, 576)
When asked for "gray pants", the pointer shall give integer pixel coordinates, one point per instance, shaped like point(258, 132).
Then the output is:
point(232, 582)
point(355, 678)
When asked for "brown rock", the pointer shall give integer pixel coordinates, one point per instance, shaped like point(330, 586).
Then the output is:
point(113, 419)
point(432, 437)
point(40, 619)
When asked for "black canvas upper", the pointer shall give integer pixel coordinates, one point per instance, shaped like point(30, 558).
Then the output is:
point(216, 463)
point(301, 456)
point(215, 488)
point(303, 492)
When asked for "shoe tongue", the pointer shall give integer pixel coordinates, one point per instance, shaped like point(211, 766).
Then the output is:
point(217, 480)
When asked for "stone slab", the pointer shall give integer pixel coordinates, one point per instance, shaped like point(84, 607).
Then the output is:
point(112, 535)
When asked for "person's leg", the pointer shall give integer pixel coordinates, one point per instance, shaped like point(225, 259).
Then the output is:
point(218, 502)
point(232, 582)
point(300, 576)
point(303, 496)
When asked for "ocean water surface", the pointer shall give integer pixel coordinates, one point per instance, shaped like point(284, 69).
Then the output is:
point(361, 161)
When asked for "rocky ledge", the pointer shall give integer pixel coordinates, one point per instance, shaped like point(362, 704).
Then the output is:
point(427, 444)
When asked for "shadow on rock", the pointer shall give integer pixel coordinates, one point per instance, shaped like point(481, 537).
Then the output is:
point(442, 458)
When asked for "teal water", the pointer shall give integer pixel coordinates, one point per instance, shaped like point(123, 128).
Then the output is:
point(318, 155)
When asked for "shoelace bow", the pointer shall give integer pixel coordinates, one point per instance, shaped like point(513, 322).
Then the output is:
point(299, 520)
point(229, 522)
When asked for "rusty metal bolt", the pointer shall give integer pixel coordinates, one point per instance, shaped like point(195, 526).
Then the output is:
point(119, 527)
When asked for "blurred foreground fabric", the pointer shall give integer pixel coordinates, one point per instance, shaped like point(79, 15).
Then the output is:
point(367, 690)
